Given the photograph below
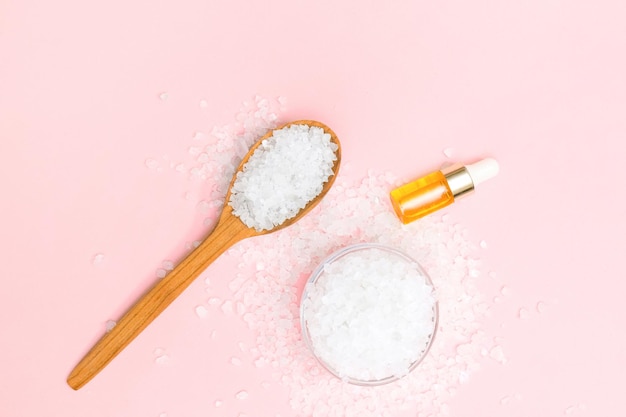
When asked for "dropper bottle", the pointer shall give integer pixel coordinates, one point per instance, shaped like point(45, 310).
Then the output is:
point(440, 189)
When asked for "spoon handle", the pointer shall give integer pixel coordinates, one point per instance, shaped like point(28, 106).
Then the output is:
point(229, 231)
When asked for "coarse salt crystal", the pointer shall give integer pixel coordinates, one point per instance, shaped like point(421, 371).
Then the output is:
point(98, 258)
point(242, 395)
point(523, 313)
point(168, 265)
point(202, 312)
point(109, 325)
point(540, 307)
point(152, 163)
point(162, 360)
point(282, 176)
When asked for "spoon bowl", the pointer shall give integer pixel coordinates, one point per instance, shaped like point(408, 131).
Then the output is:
point(228, 231)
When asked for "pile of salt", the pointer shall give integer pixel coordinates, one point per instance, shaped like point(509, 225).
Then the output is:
point(285, 173)
point(369, 313)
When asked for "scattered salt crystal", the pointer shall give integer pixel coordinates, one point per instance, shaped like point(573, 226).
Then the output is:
point(214, 301)
point(180, 167)
point(162, 359)
point(97, 259)
point(161, 273)
point(203, 104)
point(523, 314)
point(152, 163)
point(242, 395)
point(284, 173)
point(505, 400)
point(265, 385)
point(540, 307)
point(194, 150)
point(164, 96)
point(570, 410)
point(218, 403)
point(483, 244)
point(241, 308)
point(109, 325)
point(370, 313)
point(213, 334)
point(204, 206)
point(497, 353)
point(242, 346)
point(168, 265)
point(448, 152)
point(463, 377)
point(202, 312)
point(163, 415)
point(235, 361)
point(505, 290)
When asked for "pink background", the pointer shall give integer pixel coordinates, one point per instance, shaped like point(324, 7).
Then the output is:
point(539, 85)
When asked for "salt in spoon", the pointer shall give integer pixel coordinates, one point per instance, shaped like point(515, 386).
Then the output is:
point(228, 231)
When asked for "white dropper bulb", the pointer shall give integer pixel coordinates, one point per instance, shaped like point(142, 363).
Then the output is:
point(483, 170)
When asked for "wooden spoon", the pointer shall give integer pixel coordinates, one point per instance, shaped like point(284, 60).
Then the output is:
point(228, 231)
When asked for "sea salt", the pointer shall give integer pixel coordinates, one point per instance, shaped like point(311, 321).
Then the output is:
point(109, 325)
point(98, 258)
point(271, 293)
point(242, 395)
point(202, 312)
point(370, 314)
point(282, 176)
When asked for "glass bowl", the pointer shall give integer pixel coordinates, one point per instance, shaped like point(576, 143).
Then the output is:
point(362, 252)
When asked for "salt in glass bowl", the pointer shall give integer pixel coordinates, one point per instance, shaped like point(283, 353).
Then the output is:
point(319, 271)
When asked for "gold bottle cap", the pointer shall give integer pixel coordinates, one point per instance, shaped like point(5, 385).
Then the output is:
point(459, 180)
point(462, 179)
